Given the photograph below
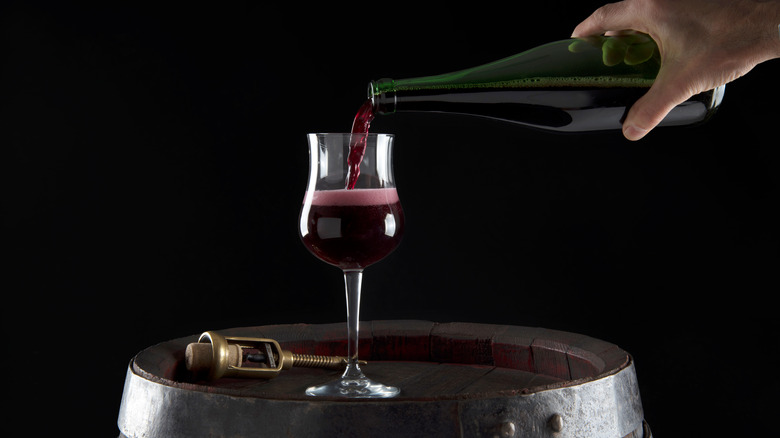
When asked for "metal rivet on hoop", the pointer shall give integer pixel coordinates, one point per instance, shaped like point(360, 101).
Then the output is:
point(507, 430)
point(556, 423)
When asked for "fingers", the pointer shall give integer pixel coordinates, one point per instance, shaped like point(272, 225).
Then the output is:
point(613, 51)
point(610, 17)
point(640, 52)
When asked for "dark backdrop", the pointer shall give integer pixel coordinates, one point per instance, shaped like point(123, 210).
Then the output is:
point(154, 162)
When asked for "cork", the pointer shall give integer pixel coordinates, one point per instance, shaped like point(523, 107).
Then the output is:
point(199, 356)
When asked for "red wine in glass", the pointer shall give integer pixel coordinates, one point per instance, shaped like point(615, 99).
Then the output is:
point(352, 229)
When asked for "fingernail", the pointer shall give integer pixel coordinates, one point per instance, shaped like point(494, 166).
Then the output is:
point(633, 133)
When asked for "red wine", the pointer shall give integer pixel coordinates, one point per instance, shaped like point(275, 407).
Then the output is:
point(352, 229)
point(357, 144)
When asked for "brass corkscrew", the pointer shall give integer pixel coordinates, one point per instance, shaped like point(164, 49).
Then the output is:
point(230, 356)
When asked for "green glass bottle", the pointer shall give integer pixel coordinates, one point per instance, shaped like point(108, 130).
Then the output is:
point(574, 85)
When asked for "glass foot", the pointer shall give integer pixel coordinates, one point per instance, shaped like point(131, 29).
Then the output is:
point(362, 387)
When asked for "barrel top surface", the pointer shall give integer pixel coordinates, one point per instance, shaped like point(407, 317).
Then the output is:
point(427, 360)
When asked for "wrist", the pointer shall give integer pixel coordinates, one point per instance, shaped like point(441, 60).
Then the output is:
point(770, 10)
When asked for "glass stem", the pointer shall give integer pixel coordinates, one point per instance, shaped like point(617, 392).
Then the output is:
point(353, 281)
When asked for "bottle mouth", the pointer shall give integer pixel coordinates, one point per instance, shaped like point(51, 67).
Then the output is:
point(382, 96)
point(372, 91)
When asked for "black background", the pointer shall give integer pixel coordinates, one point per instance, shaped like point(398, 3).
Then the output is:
point(154, 161)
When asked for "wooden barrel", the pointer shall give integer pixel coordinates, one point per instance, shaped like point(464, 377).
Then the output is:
point(456, 380)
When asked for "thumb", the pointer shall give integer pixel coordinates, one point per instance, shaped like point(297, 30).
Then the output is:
point(651, 109)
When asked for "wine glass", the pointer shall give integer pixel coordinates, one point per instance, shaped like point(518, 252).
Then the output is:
point(351, 228)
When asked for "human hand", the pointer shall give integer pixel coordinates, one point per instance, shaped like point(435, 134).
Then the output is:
point(703, 44)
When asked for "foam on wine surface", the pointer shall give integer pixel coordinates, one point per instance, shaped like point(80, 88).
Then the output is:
point(355, 197)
